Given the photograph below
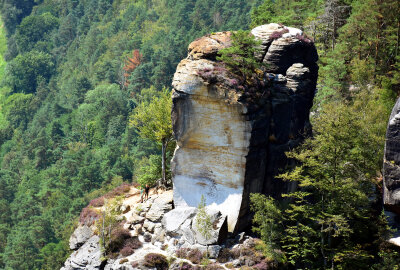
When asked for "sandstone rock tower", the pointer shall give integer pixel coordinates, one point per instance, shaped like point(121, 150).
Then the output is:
point(230, 141)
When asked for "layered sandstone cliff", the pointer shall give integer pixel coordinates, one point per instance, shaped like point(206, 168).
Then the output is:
point(231, 138)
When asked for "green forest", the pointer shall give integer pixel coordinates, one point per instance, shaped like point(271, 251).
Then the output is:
point(73, 73)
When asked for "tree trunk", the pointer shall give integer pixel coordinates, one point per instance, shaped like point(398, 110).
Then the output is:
point(163, 153)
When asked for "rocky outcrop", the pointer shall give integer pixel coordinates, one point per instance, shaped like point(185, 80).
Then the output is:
point(391, 165)
point(174, 236)
point(80, 236)
point(87, 257)
point(231, 138)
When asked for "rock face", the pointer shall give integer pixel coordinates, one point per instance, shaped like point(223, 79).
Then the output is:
point(391, 165)
point(79, 237)
point(230, 143)
point(87, 257)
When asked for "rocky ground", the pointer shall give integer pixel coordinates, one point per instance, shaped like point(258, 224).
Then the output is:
point(164, 238)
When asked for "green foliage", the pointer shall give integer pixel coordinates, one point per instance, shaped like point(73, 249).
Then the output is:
point(329, 217)
point(148, 170)
point(53, 255)
point(263, 14)
point(240, 57)
point(203, 222)
point(64, 108)
point(268, 218)
point(153, 121)
point(13, 11)
point(290, 13)
point(34, 31)
point(108, 226)
point(28, 70)
point(17, 108)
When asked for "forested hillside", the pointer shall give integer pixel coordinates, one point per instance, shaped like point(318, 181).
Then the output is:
point(76, 70)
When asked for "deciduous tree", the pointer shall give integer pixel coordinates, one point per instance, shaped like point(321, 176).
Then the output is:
point(153, 121)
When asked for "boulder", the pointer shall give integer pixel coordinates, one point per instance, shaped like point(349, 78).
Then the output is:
point(125, 208)
point(213, 250)
point(149, 226)
point(80, 236)
point(176, 217)
point(218, 231)
point(147, 237)
point(187, 233)
point(208, 46)
point(230, 142)
point(159, 235)
point(135, 219)
point(116, 265)
point(160, 206)
point(87, 256)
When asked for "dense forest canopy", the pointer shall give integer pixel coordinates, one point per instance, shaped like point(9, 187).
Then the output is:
point(76, 70)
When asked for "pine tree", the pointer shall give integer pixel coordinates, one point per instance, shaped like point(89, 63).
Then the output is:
point(240, 57)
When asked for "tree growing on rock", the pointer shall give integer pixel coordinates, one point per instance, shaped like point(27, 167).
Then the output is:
point(153, 121)
point(240, 57)
point(203, 223)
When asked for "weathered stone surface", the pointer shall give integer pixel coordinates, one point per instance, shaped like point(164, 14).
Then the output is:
point(147, 237)
point(149, 226)
point(391, 165)
point(87, 256)
point(135, 219)
point(116, 265)
point(208, 46)
point(80, 236)
point(176, 217)
point(228, 144)
point(160, 206)
point(125, 208)
point(219, 231)
point(187, 233)
point(212, 250)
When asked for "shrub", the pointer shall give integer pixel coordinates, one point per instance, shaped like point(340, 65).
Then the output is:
point(123, 261)
point(213, 266)
point(133, 243)
point(186, 266)
point(195, 256)
point(117, 239)
point(304, 39)
point(241, 251)
point(207, 74)
point(127, 251)
point(118, 191)
point(98, 202)
point(88, 216)
point(158, 261)
point(229, 266)
point(263, 265)
point(224, 255)
point(278, 34)
point(182, 253)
